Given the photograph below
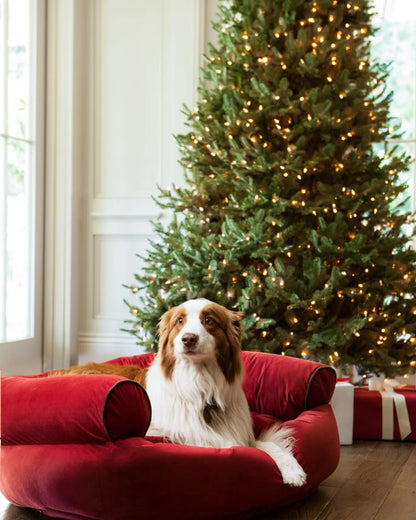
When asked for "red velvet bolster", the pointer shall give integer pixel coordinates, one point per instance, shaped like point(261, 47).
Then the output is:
point(72, 409)
point(140, 360)
point(284, 386)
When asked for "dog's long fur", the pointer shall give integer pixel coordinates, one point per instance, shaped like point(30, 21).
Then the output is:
point(195, 385)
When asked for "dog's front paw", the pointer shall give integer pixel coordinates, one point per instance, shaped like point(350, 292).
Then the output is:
point(292, 472)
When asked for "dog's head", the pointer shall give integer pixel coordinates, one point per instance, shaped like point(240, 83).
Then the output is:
point(198, 331)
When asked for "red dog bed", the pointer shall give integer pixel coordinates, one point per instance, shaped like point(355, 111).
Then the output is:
point(74, 447)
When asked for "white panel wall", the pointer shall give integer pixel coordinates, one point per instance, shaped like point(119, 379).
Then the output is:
point(144, 64)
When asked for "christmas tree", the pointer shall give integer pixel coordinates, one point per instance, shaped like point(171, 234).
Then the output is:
point(288, 213)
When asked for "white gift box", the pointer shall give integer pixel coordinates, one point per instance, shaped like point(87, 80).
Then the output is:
point(342, 403)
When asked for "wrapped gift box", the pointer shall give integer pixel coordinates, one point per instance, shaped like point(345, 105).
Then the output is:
point(388, 415)
point(342, 403)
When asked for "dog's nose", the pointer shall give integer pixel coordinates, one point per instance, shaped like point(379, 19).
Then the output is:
point(190, 340)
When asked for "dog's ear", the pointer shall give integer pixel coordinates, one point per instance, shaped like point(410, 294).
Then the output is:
point(167, 358)
point(236, 318)
point(164, 327)
point(235, 330)
point(229, 359)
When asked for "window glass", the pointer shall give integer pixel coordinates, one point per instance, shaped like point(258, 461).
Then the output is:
point(16, 169)
point(395, 45)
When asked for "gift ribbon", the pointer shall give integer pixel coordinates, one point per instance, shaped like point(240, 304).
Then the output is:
point(391, 400)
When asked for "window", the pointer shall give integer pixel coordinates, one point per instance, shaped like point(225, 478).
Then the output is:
point(21, 180)
point(395, 44)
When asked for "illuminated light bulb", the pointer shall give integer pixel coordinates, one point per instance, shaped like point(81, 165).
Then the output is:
point(264, 60)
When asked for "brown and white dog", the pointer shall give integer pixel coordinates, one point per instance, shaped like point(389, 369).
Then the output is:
point(195, 385)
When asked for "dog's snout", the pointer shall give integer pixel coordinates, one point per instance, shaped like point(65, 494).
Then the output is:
point(190, 340)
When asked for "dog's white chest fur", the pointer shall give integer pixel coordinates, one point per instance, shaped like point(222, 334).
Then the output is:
point(198, 407)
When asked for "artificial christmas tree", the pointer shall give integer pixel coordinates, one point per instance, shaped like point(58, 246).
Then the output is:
point(287, 213)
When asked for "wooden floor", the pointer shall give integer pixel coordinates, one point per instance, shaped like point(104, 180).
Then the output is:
point(374, 481)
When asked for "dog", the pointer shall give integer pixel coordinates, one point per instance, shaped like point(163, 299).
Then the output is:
point(195, 385)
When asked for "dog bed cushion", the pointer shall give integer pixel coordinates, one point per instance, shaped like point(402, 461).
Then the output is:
point(60, 458)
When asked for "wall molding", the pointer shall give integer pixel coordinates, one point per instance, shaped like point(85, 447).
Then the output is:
point(86, 201)
point(66, 60)
point(103, 347)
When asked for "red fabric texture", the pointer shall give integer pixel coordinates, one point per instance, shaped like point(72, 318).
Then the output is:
point(86, 476)
point(72, 409)
point(284, 386)
point(368, 415)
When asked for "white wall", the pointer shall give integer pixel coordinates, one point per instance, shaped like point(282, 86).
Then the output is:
point(142, 64)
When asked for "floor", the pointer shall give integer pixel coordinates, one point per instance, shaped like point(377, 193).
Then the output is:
point(374, 481)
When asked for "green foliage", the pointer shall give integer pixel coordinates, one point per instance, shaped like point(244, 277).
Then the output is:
point(287, 209)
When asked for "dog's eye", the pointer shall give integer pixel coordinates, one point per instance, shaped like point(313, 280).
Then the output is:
point(180, 320)
point(208, 320)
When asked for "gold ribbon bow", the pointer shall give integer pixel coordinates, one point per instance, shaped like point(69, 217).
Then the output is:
point(391, 400)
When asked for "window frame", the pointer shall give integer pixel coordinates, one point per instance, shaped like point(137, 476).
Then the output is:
point(24, 355)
